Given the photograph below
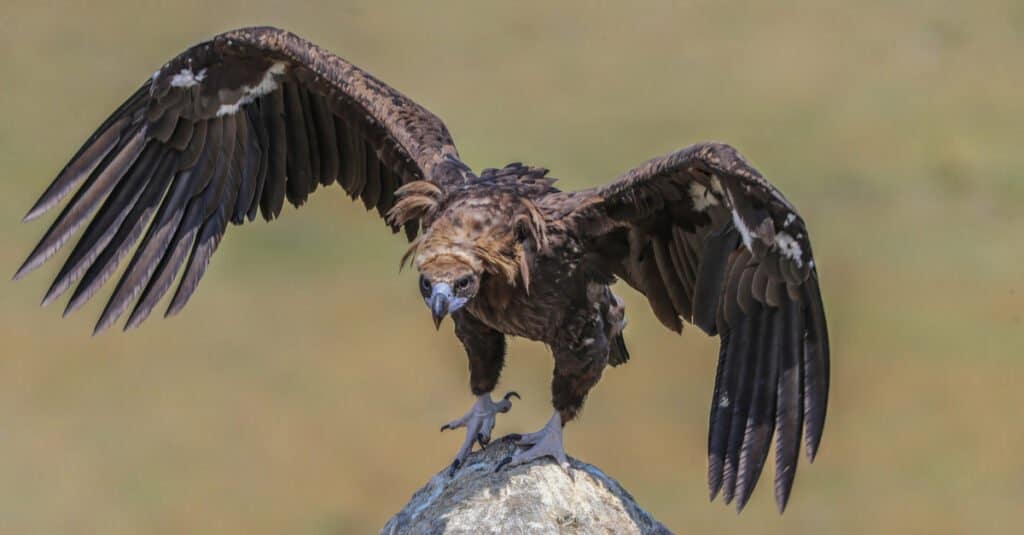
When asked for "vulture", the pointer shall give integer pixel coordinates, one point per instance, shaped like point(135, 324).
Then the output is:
point(235, 126)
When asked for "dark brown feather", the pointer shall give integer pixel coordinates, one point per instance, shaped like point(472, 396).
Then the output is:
point(100, 230)
point(272, 114)
point(816, 367)
point(106, 262)
point(182, 135)
point(669, 277)
point(654, 289)
point(312, 138)
point(789, 410)
point(721, 410)
point(133, 281)
point(747, 380)
point(261, 140)
point(327, 141)
point(91, 194)
point(114, 132)
point(163, 249)
point(300, 179)
point(371, 192)
point(761, 417)
point(164, 127)
point(196, 142)
point(681, 270)
point(711, 276)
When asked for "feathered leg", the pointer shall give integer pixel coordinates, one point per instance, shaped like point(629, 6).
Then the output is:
point(578, 367)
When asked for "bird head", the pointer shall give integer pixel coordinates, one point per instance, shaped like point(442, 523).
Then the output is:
point(447, 283)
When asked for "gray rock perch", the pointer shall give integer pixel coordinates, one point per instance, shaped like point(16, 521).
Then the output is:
point(539, 497)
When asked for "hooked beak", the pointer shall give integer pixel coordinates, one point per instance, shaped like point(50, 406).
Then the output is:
point(442, 302)
point(439, 302)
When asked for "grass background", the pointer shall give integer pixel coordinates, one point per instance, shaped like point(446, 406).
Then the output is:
point(302, 389)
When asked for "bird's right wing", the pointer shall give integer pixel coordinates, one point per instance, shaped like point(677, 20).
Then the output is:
point(231, 127)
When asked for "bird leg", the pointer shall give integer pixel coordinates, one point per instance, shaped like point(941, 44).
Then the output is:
point(544, 443)
point(479, 422)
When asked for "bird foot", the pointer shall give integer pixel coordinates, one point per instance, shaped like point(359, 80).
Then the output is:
point(479, 422)
point(544, 443)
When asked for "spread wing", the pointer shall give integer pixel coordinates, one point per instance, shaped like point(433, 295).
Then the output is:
point(230, 128)
point(708, 240)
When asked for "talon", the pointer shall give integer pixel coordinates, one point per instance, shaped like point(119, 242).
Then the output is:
point(544, 443)
point(514, 437)
point(512, 393)
point(502, 464)
point(479, 422)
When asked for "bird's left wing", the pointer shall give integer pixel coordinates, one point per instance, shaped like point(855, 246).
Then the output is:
point(230, 128)
point(708, 240)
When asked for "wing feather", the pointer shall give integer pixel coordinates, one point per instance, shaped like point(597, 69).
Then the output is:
point(371, 191)
point(84, 202)
point(128, 233)
point(261, 139)
point(231, 126)
point(789, 406)
point(724, 249)
point(129, 285)
point(162, 251)
point(110, 135)
point(327, 140)
point(747, 339)
point(670, 277)
point(300, 180)
point(277, 157)
point(313, 137)
point(760, 420)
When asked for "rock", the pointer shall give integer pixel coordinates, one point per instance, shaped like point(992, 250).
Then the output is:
point(539, 497)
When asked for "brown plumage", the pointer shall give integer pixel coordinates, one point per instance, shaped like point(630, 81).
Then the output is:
point(237, 125)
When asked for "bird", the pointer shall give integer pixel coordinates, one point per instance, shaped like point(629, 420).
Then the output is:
point(233, 127)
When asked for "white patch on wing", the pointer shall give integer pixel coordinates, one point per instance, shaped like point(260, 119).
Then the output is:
point(187, 78)
point(716, 185)
point(790, 218)
point(742, 227)
point(737, 221)
point(268, 84)
point(744, 232)
point(790, 248)
point(227, 109)
point(701, 197)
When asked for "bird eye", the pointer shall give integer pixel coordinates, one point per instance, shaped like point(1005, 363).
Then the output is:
point(463, 283)
point(424, 286)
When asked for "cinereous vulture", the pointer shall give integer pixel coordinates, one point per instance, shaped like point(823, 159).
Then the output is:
point(233, 127)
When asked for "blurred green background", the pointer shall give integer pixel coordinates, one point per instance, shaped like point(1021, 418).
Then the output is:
point(302, 389)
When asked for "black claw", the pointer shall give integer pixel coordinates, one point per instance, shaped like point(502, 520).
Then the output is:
point(443, 427)
point(482, 439)
point(502, 464)
point(514, 437)
point(455, 467)
point(512, 393)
